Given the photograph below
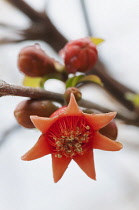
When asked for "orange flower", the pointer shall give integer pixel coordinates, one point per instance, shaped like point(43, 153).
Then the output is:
point(71, 134)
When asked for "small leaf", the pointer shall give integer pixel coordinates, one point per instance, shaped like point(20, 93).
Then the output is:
point(33, 81)
point(39, 81)
point(96, 41)
point(91, 78)
point(72, 82)
point(134, 98)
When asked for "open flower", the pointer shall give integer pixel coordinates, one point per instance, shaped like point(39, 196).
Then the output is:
point(71, 134)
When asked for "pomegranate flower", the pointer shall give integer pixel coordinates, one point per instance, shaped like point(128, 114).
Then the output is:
point(71, 134)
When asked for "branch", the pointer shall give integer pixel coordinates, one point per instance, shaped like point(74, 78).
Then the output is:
point(86, 17)
point(34, 93)
point(27, 10)
point(115, 88)
point(38, 93)
point(42, 28)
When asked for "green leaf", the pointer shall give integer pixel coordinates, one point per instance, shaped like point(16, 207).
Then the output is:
point(134, 98)
point(72, 82)
point(96, 41)
point(39, 81)
point(33, 81)
point(91, 78)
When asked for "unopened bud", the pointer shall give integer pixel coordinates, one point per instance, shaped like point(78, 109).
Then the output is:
point(34, 62)
point(110, 130)
point(27, 108)
point(73, 90)
point(79, 55)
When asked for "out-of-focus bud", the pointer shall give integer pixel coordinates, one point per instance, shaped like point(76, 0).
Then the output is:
point(110, 130)
point(79, 55)
point(26, 108)
point(34, 62)
point(73, 90)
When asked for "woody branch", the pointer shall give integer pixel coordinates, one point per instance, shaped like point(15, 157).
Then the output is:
point(38, 93)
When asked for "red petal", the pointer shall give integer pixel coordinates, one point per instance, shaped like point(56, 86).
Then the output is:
point(59, 166)
point(86, 163)
point(42, 123)
point(99, 120)
point(72, 108)
point(104, 143)
point(40, 149)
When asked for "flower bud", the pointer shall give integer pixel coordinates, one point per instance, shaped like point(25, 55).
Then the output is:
point(79, 55)
point(110, 130)
point(73, 90)
point(34, 62)
point(42, 108)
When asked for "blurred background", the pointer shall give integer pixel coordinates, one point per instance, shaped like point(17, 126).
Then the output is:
point(29, 185)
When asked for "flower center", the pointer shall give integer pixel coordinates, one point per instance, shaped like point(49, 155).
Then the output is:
point(70, 136)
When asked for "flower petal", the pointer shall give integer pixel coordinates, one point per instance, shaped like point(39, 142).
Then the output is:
point(99, 120)
point(72, 108)
point(104, 143)
point(59, 166)
point(42, 123)
point(86, 163)
point(40, 149)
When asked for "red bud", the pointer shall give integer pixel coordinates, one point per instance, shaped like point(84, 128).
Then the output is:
point(110, 130)
point(79, 55)
point(34, 62)
point(26, 108)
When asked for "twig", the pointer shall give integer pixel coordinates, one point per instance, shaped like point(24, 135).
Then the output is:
point(86, 18)
point(10, 41)
point(26, 9)
point(38, 93)
point(41, 26)
point(115, 88)
point(34, 93)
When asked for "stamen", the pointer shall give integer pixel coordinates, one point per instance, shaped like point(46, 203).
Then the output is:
point(87, 127)
point(70, 136)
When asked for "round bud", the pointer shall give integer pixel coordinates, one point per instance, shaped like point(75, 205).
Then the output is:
point(25, 109)
point(34, 62)
point(73, 90)
point(110, 130)
point(79, 55)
